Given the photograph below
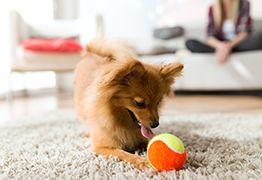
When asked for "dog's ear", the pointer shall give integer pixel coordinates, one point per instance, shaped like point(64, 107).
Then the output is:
point(170, 72)
point(135, 71)
point(118, 71)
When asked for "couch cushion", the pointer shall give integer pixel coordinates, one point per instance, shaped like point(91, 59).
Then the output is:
point(45, 61)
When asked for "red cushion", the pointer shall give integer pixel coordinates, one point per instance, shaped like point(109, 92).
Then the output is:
point(60, 45)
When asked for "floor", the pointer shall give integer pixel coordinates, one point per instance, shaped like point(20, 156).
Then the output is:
point(29, 106)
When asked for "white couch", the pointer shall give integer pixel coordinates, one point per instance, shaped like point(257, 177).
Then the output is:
point(242, 71)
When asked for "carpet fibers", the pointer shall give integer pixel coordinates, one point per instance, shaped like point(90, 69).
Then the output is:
point(49, 146)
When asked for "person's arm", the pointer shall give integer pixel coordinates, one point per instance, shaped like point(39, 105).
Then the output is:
point(212, 31)
point(214, 42)
point(244, 26)
point(222, 49)
point(239, 38)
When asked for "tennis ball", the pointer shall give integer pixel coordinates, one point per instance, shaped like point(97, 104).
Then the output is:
point(166, 152)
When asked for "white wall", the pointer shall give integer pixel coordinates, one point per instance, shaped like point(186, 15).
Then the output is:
point(137, 18)
point(66, 9)
point(128, 18)
point(256, 9)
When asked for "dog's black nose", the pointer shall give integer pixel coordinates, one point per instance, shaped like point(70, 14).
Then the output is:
point(154, 124)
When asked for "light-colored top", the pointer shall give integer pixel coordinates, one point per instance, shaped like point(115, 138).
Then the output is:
point(229, 29)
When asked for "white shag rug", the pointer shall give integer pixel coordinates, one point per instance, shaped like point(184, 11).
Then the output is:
point(49, 146)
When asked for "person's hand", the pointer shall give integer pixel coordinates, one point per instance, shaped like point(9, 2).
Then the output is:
point(222, 52)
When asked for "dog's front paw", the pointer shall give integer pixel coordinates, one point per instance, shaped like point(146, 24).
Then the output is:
point(142, 163)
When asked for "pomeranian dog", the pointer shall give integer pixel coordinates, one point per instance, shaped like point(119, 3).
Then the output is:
point(118, 98)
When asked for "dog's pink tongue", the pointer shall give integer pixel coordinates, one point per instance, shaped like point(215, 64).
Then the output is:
point(146, 132)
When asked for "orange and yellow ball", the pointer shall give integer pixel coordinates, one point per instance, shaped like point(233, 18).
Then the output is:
point(166, 152)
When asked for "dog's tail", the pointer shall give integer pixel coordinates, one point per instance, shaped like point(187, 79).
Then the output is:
point(112, 49)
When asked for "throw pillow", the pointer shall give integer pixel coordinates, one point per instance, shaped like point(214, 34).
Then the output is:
point(58, 45)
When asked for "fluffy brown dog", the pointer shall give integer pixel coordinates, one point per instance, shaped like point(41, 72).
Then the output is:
point(118, 97)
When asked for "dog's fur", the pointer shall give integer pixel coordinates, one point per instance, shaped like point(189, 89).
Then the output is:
point(110, 85)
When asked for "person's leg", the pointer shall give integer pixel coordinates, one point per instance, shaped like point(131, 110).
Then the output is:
point(253, 42)
point(198, 47)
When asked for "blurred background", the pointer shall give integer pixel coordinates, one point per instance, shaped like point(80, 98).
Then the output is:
point(28, 73)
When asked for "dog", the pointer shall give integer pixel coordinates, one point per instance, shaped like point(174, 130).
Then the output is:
point(118, 97)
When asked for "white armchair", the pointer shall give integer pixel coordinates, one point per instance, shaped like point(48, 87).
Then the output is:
point(25, 60)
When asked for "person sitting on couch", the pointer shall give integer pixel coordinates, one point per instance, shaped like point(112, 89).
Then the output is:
point(228, 30)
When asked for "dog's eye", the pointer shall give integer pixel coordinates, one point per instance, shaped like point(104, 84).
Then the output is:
point(158, 102)
point(140, 104)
